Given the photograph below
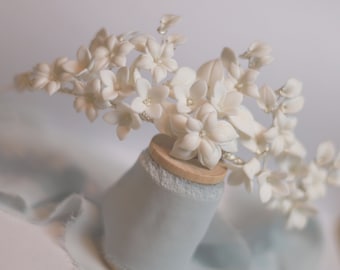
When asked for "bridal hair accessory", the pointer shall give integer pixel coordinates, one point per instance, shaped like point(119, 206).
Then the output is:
point(135, 78)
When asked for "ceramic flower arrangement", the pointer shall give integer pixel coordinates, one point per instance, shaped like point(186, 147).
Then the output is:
point(203, 110)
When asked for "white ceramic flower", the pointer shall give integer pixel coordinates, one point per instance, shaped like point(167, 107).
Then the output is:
point(115, 85)
point(239, 79)
point(211, 72)
point(89, 99)
point(150, 99)
point(298, 216)
point(188, 93)
point(291, 89)
point(291, 106)
point(165, 124)
point(113, 53)
point(125, 119)
point(258, 54)
point(99, 40)
point(49, 77)
point(245, 174)
point(325, 153)
point(227, 103)
point(206, 137)
point(157, 59)
point(83, 64)
point(281, 135)
point(267, 99)
point(315, 182)
point(271, 184)
point(167, 21)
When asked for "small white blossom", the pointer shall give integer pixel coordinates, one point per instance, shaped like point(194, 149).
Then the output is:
point(281, 135)
point(211, 72)
point(272, 184)
point(206, 137)
point(113, 53)
point(99, 40)
point(165, 124)
point(83, 64)
point(315, 182)
point(267, 100)
point(49, 77)
point(291, 106)
point(166, 22)
point(325, 153)
point(157, 59)
point(245, 174)
point(291, 89)
point(258, 55)
point(176, 39)
point(89, 99)
point(298, 216)
point(125, 119)
point(226, 102)
point(115, 85)
point(150, 99)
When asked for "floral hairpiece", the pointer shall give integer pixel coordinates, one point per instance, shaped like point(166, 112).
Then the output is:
point(201, 109)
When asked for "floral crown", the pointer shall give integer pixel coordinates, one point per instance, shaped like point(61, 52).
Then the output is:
point(202, 110)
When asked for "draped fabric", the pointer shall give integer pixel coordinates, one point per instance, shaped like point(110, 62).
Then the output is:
point(45, 184)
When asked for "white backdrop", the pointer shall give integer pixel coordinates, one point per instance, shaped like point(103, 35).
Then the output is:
point(304, 35)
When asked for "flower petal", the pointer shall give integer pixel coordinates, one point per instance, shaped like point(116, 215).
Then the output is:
point(211, 72)
point(122, 132)
point(325, 153)
point(291, 89)
point(159, 93)
point(178, 124)
point(52, 87)
point(222, 132)
point(265, 193)
point(198, 90)
point(243, 121)
point(107, 77)
point(251, 168)
point(230, 146)
point(189, 142)
point(292, 105)
point(229, 60)
point(153, 48)
point(137, 105)
point(142, 87)
point(145, 61)
point(170, 64)
point(209, 154)
point(154, 111)
point(181, 153)
point(267, 99)
point(231, 102)
point(183, 77)
point(194, 124)
point(111, 117)
point(159, 73)
point(108, 93)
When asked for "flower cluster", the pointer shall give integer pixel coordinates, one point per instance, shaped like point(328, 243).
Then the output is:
point(203, 110)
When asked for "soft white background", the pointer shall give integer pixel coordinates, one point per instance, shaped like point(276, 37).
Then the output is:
point(304, 35)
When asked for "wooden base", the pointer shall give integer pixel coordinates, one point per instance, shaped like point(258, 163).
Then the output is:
point(191, 170)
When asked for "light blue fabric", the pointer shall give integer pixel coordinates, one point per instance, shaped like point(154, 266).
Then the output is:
point(31, 189)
